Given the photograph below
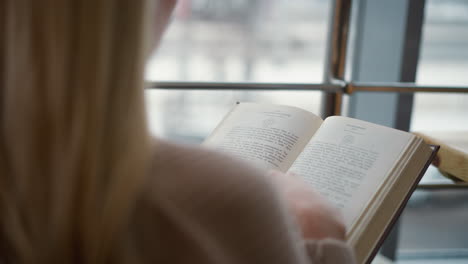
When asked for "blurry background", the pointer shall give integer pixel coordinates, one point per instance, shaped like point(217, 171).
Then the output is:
point(235, 41)
point(443, 61)
point(284, 41)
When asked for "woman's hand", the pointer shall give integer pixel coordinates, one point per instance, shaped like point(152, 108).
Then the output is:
point(316, 217)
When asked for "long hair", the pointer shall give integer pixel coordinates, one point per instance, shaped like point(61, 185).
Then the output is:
point(74, 145)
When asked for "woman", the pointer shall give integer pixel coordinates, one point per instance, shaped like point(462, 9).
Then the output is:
point(82, 181)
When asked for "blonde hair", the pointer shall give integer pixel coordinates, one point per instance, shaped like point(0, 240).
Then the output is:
point(74, 145)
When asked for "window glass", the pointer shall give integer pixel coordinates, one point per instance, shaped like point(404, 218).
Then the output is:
point(443, 61)
point(243, 40)
point(275, 41)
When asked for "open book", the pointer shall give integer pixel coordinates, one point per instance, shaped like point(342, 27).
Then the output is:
point(368, 171)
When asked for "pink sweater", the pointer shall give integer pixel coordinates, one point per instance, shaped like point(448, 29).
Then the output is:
point(205, 207)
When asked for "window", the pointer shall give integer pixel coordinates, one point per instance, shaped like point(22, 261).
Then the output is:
point(235, 41)
point(247, 40)
point(443, 61)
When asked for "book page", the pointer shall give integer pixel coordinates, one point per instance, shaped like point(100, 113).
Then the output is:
point(347, 160)
point(268, 136)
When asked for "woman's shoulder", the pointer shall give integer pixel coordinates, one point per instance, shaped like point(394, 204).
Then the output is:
point(197, 199)
point(179, 169)
point(170, 154)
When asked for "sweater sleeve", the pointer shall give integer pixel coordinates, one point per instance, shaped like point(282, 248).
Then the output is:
point(215, 209)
